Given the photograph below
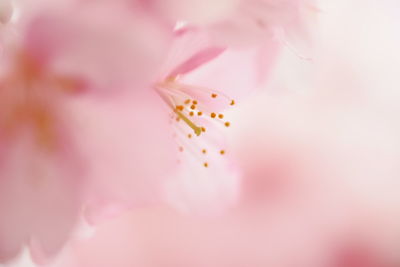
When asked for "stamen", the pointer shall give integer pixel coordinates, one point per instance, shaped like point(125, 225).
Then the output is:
point(196, 129)
point(186, 101)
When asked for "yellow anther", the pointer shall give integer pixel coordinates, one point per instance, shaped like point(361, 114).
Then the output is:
point(189, 135)
point(199, 113)
point(214, 95)
point(194, 102)
point(187, 102)
point(204, 151)
point(191, 113)
point(193, 107)
point(213, 115)
point(222, 152)
point(221, 116)
point(205, 164)
point(232, 102)
point(180, 108)
point(227, 124)
point(203, 129)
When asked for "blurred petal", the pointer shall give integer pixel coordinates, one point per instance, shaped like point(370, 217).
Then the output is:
point(91, 42)
point(6, 11)
point(203, 190)
point(42, 190)
point(197, 11)
point(197, 60)
point(128, 148)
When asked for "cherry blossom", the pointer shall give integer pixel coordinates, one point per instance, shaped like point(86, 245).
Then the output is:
point(59, 61)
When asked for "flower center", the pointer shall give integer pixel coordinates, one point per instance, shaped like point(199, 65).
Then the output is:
point(29, 97)
point(195, 108)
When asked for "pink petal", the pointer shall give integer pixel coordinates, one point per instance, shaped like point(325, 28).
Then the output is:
point(107, 45)
point(207, 191)
point(257, 21)
point(236, 73)
point(39, 189)
point(161, 237)
point(191, 47)
point(197, 60)
point(127, 147)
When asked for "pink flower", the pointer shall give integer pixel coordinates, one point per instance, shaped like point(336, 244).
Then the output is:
point(297, 206)
point(198, 91)
point(59, 56)
point(65, 150)
point(87, 153)
point(320, 181)
point(105, 45)
point(200, 177)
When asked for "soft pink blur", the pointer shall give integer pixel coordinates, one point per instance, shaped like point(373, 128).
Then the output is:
point(306, 174)
point(61, 146)
point(5, 11)
point(244, 22)
point(318, 150)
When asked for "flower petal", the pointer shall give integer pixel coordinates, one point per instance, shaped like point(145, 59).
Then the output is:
point(40, 189)
point(104, 44)
point(198, 59)
point(127, 147)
